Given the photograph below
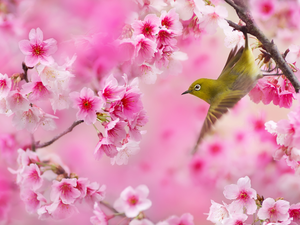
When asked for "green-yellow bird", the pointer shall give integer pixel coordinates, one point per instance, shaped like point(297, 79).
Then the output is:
point(238, 77)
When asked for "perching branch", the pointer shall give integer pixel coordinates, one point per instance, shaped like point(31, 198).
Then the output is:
point(252, 28)
point(38, 145)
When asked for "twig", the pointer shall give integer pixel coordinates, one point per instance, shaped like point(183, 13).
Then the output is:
point(25, 69)
point(252, 28)
point(38, 145)
point(32, 143)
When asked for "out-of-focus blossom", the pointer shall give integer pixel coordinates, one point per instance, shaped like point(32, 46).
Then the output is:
point(293, 55)
point(36, 50)
point(213, 17)
point(274, 210)
point(128, 149)
point(294, 212)
point(186, 219)
point(242, 193)
point(133, 201)
point(264, 9)
point(185, 8)
point(100, 217)
point(237, 219)
point(5, 85)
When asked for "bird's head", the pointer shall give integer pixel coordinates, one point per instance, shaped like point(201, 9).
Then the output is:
point(201, 89)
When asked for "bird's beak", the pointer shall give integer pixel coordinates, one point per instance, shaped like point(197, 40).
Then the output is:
point(186, 92)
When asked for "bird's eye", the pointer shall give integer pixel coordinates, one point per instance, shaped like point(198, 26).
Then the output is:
point(197, 87)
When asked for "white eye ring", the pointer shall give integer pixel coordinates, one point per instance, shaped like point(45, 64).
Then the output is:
point(197, 87)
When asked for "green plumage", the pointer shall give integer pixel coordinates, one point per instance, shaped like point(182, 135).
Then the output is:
point(238, 77)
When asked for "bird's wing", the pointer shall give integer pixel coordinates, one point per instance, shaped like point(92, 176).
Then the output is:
point(216, 111)
point(233, 57)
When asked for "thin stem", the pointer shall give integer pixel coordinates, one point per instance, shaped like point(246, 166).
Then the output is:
point(107, 205)
point(269, 46)
point(38, 145)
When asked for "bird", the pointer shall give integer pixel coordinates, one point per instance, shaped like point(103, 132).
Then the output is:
point(237, 78)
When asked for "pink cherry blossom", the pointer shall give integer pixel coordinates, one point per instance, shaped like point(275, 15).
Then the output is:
point(32, 177)
point(82, 186)
point(274, 210)
point(36, 50)
point(186, 219)
point(65, 190)
point(5, 85)
point(166, 37)
point(217, 213)
point(148, 27)
point(95, 192)
point(59, 210)
point(144, 49)
point(148, 73)
point(115, 130)
point(36, 90)
point(133, 201)
point(270, 89)
point(105, 146)
point(128, 149)
point(294, 212)
point(28, 120)
point(238, 219)
point(293, 55)
point(213, 17)
point(129, 105)
point(16, 102)
point(100, 217)
point(242, 193)
point(112, 91)
point(171, 21)
point(87, 104)
point(185, 8)
point(33, 200)
point(139, 121)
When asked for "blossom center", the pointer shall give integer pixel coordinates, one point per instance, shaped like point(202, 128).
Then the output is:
point(147, 29)
point(132, 200)
point(295, 213)
point(86, 104)
point(215, 149)
point(272, 211)
point(65, 188)
point(267, 8)
point(238, 223)
point(166, 22)
point(37, 50)
point(2, 83)
point(243, 196)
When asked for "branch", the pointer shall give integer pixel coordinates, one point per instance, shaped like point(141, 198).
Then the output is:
point(252, 28)
point(38, 145)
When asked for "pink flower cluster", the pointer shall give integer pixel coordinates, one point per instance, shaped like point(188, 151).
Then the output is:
point(245, 202)
point(49, 190)
point(287, 137)
point(280, 16)
point(151, 43)
point(279, 90)
point(120, 110)
point(48, 82)
point(132, 203)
